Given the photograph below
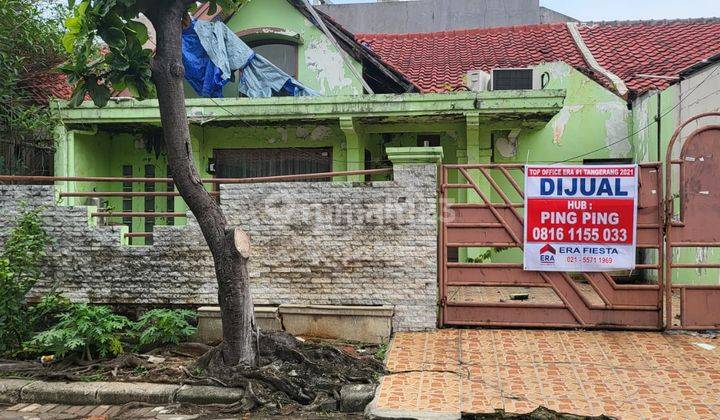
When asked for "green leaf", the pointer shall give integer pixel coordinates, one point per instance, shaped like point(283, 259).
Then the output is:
point(78, 95)
point(73, 24)
point(100, 95)
point(132, 88)
point(117, 62)
point(140, 30)
point(68, 41)
point(114, 37)
point(102, 7)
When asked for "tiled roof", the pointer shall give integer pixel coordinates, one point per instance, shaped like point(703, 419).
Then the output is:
point(662, 48)
point(43, 86)
point(436, 62)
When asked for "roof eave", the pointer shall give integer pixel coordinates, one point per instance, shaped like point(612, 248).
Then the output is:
point(699, 66)
point(504, 105)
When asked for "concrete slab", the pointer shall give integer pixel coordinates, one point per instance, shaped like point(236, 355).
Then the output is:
point(208, 395)
point(118, 393)
point(10, 390)
point(74, 393)
point(209, 329)
point(366, 324)
point(441, 374)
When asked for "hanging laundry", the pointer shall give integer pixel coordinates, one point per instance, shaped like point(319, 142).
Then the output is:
point(201, 73)
point(259, 78)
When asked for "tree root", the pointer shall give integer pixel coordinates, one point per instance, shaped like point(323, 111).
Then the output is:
point(290, 373)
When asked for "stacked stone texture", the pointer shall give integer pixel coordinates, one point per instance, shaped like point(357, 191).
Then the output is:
point(323, 243)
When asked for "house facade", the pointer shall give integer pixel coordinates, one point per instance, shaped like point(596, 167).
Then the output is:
point(385, 101)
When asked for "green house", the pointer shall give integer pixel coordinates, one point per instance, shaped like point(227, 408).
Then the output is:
point(377, 91)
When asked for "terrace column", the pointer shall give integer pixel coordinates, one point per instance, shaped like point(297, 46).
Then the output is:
point(60, 157)
point(355, 141)
point(64, 160)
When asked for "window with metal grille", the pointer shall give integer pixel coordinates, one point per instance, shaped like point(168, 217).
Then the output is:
point(251, 163)
point(512, 79)
point(149, 202)
point(127, 202)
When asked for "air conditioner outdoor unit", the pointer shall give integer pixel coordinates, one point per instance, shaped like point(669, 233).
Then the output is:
point(515, 79)
point(477, 80)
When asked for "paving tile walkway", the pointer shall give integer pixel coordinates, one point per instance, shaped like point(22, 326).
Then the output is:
point(621, 374)
point(90, 412)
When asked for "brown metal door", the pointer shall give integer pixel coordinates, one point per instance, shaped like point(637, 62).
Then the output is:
point(494, 290)
point(693, 180)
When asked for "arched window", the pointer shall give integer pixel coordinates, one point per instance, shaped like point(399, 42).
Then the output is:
point(284, 54)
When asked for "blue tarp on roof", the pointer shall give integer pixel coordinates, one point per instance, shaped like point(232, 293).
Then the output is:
point(211, 52)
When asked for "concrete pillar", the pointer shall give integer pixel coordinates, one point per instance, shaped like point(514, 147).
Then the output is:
point(355, 140)
point(414, 155)
point(61, 158)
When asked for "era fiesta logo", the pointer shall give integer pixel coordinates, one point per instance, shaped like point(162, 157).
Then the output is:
point(547, 254)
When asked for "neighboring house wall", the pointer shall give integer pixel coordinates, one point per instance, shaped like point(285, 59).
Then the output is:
point(313, 243)
point(439, 15)
point(700, 93)
point(696, 94)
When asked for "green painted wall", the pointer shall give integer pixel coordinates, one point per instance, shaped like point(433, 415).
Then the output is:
point(592, 118)
point(645, 127)
point(302, 136)
point(320, 64)
point(593, 124)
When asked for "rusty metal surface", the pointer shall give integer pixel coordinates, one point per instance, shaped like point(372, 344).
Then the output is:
point(497, 221)
point(698, 190)
point(700, 307)
point(700, 187)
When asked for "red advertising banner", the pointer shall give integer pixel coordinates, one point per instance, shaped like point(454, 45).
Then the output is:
point(580, 218)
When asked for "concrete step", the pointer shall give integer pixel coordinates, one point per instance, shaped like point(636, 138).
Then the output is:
point(364, 324)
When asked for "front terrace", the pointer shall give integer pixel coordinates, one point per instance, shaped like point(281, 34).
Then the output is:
point(248, 138)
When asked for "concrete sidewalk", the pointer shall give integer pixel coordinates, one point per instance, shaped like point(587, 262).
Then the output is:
point(25, 411)
point(623, 374)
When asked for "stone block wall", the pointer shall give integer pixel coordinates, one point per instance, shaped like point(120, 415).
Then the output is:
point(313, 243)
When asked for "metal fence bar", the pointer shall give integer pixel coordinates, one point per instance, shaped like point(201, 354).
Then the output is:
point(136, 214)
point(128, 194)
point(138, 235)
point(623, 306)
point(278, 178)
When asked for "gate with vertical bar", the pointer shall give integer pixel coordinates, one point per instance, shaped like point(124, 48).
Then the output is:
point(482, 281)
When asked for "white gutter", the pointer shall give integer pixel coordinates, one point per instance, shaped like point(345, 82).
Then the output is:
point(592, 62)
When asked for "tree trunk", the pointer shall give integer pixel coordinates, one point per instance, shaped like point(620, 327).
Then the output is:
point(238, 319)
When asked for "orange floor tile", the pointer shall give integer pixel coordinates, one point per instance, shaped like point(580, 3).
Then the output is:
point(620, 374)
